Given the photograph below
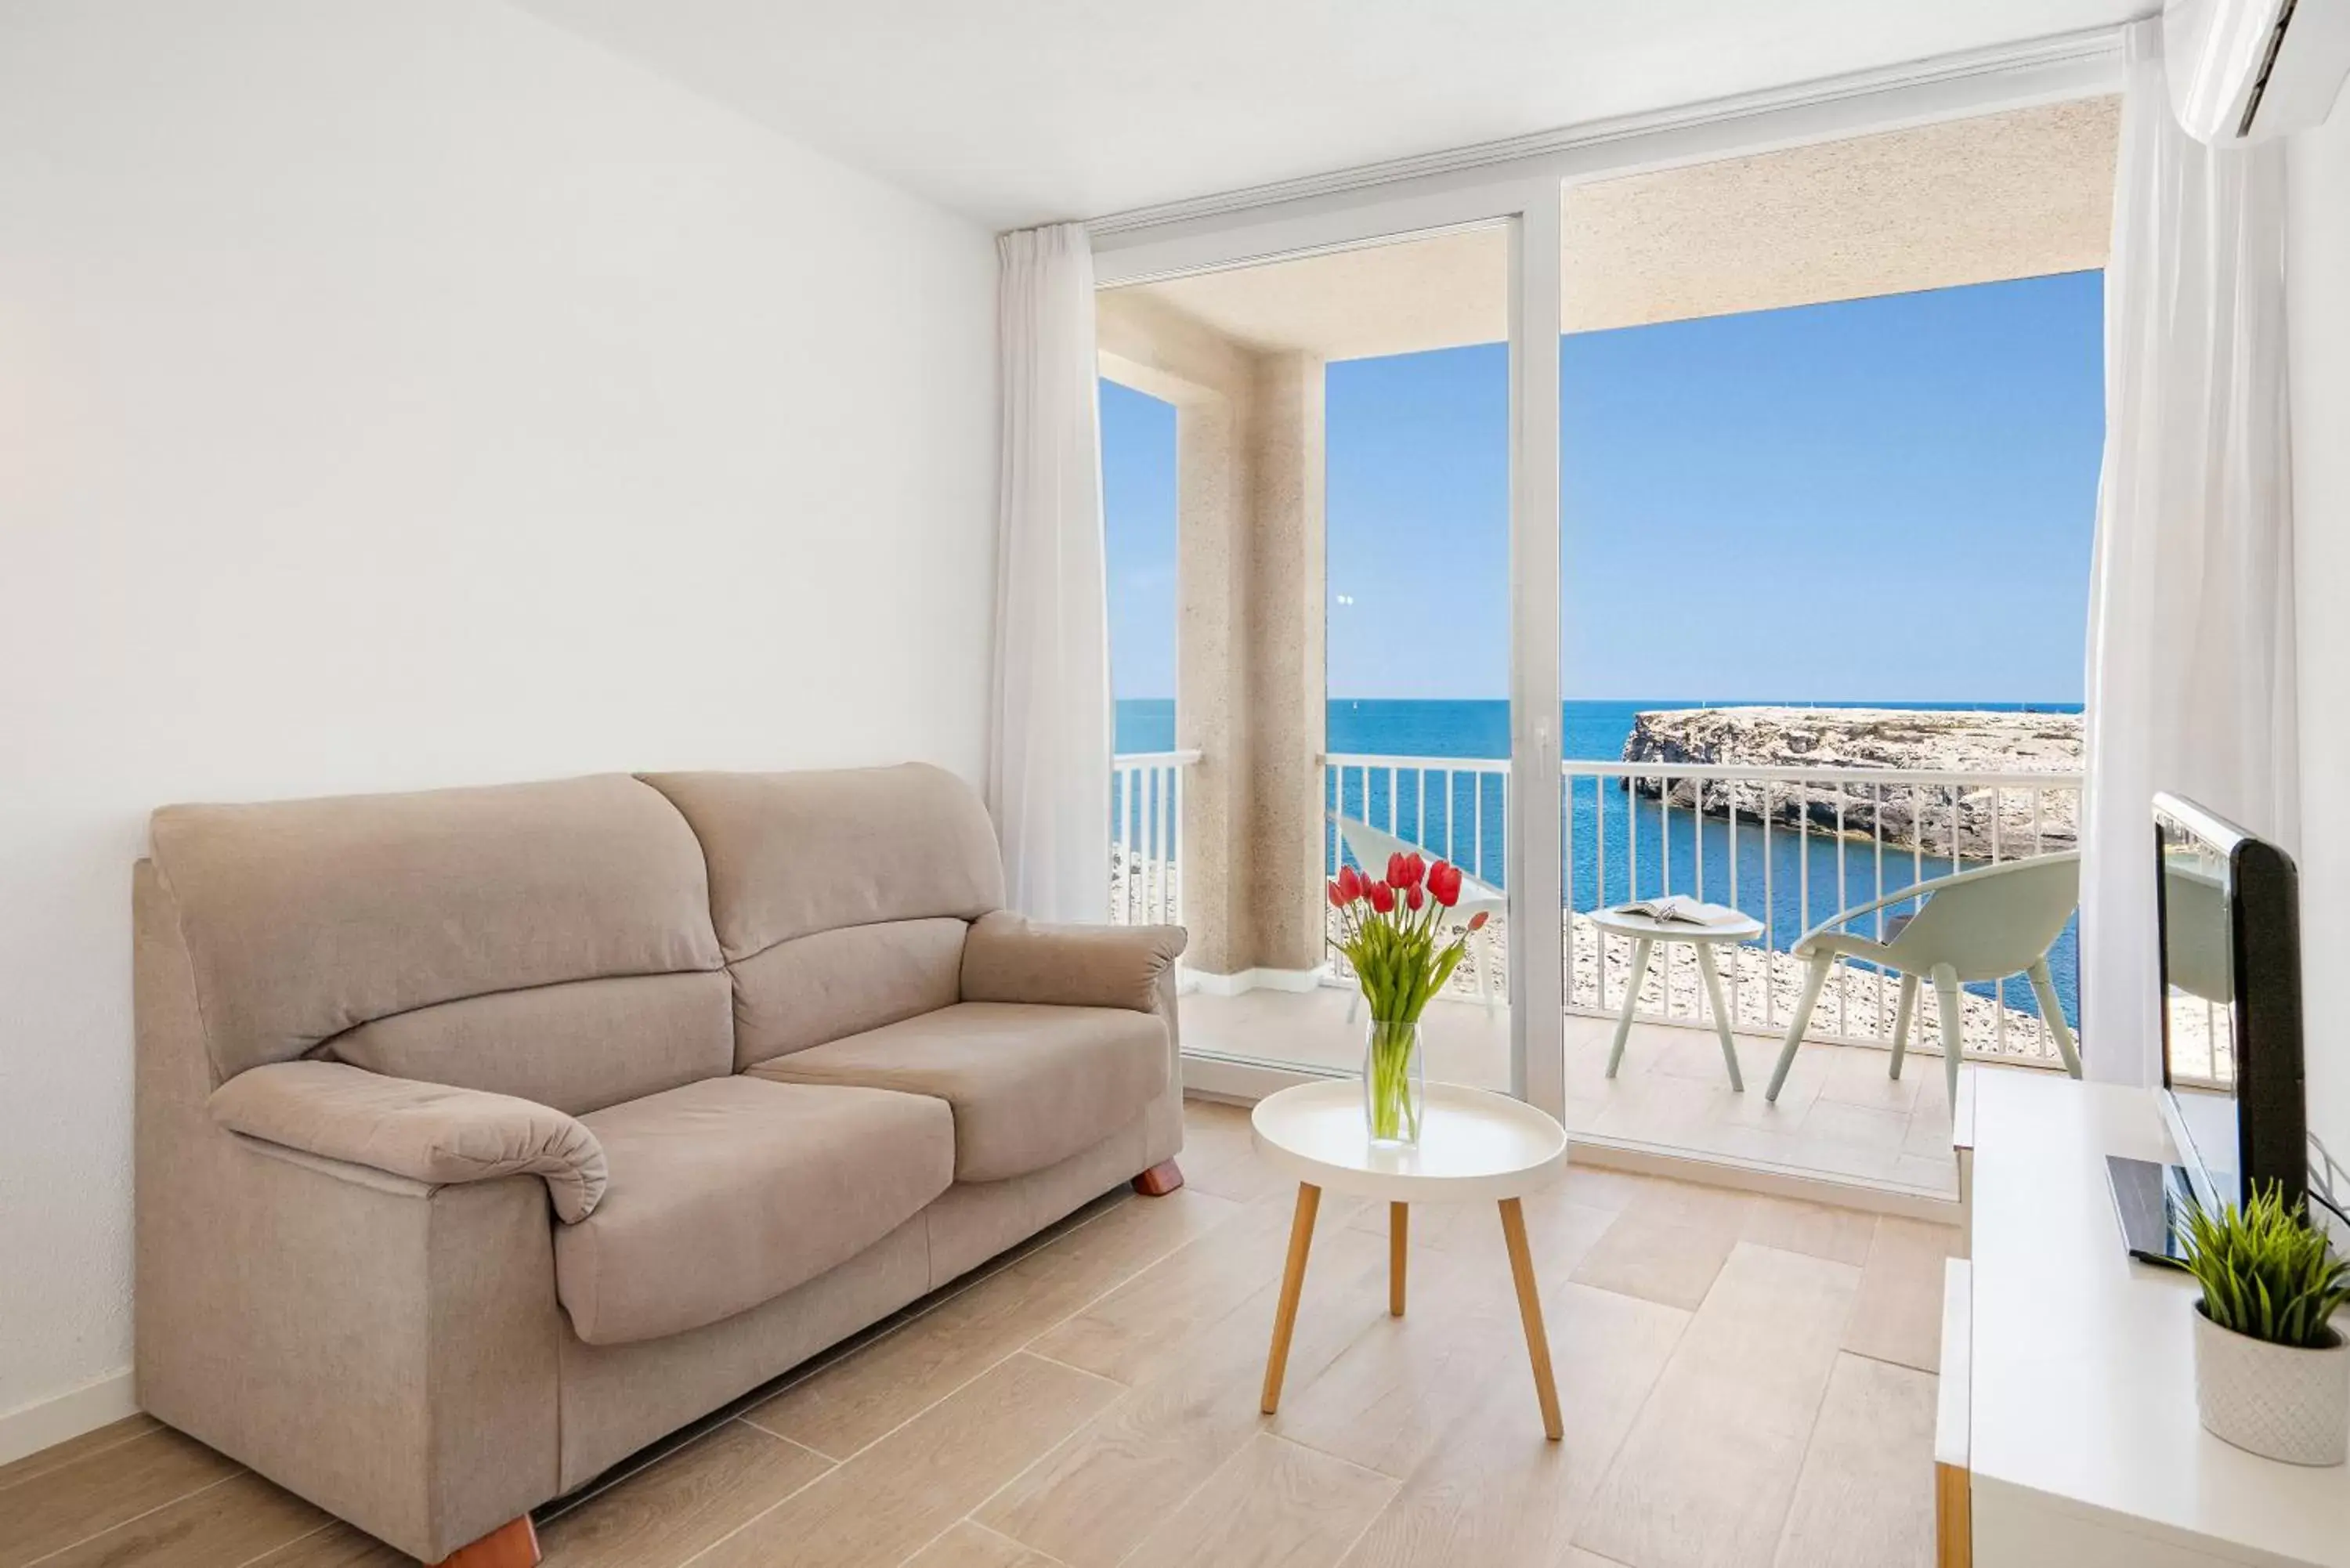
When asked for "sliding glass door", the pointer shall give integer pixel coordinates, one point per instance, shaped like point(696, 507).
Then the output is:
point(1311, 486)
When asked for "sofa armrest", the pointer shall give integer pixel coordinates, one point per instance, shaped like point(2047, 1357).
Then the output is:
point(426, 1132)
point(1008, 958)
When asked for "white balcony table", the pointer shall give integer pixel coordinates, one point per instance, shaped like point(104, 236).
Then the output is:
point(1475, 1146)
point(1646, 933)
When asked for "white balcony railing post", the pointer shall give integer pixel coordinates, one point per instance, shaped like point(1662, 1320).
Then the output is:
point(1146, 829)
point(1987, 813)
point(1847, 818)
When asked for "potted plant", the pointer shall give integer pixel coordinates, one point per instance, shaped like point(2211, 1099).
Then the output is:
point(1397, 936)
point(2272, 1372)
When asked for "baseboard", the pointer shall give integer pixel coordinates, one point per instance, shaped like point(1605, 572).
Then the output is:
point(1232, 1081)
point(1773, 1182)
point(29, 1428)
point(1242, 1083)
point(1294, 979)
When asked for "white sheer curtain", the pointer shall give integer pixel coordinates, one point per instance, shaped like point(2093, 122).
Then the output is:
point(2190, 664)
point(1049, 765)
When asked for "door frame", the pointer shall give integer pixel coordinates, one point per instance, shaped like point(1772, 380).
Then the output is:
point(1522, 184)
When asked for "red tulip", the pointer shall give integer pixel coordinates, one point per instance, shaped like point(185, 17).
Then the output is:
point(1338, 901)
point(1382, 898)
point(1444, 883)
point(1477, 921)
point(1395, 877)
point(1413, 897)
point(1414, 871)
point(1350, 886)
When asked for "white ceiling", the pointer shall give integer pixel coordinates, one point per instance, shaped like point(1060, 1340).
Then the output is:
point(1024, 111)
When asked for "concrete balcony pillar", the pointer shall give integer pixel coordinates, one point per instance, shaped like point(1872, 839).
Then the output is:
point(1250, 599)
point(1285, 691)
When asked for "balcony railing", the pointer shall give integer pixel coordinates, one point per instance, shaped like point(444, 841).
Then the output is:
point(1145, 819)
point(1788, 845)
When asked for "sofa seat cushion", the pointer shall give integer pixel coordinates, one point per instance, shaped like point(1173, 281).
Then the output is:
point(1030, 1084)
point(728, 1192)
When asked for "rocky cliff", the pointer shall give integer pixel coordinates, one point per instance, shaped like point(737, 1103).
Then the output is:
point(1910, 816)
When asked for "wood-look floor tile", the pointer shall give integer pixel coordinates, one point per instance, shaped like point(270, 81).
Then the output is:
point(1272, 1505)
point(970, 1545)
point(682, 1502)
point(1898, 1317)
point(88, 1496)
point(1398, 1388)
point(903, 1492)
point(1929, 1134)
point(1865, 1498)
point(1819, 1230)
point(1855, 1127)
point(1674, 1264)
point(1492, 1492)
point(858, 1398)
point(59, 1455)
point(339, 1546)
point(1858, 1075)
point(1107, 1489)
point(1696, 1205)
point(1467, 1235)
point(1704, 1478)
point(1144, 1323)
point(1435, 1227)
point(1816, 1230)
point(1219, 1154)
point(1595, 1187)
point(235, 1522)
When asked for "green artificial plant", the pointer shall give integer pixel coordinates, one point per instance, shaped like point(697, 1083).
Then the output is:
point(2266, 1271)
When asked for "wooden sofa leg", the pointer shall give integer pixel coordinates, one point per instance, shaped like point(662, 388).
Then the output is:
point(1161, 1179)
point(514, 1544)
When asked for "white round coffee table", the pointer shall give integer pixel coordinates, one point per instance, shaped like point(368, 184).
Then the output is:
point(1474, 1146)
point(1646, 933)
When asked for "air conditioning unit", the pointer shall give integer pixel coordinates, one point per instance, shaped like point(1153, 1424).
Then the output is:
point(2245, 70)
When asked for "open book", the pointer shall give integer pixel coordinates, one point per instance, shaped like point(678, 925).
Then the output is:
point(1672, 909)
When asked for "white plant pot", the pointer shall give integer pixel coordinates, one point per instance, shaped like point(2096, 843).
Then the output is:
point(2275, 1400)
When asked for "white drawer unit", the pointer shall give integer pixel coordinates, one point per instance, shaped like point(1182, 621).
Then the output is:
point(2066, 1434)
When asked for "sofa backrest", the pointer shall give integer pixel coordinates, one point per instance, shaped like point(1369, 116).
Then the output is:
point(840, 899)
point(550, 941)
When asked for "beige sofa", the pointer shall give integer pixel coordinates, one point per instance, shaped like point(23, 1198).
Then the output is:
point(484, 1135)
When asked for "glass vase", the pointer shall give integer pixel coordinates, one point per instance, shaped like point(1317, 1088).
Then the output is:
point(1394, 1084)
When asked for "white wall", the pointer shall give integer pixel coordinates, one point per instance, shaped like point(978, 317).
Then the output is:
point(2318, 303)
point(409, 394)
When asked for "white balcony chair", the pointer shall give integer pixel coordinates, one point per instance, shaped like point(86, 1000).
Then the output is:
point(1982, 925)
point(1371, 847)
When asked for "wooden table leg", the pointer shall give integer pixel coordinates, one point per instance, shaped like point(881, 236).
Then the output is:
point(1522, 1269)
point(1398, 1251)
point(1293, 1280)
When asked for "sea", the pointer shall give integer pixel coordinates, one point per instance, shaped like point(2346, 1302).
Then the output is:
point(1790, 887)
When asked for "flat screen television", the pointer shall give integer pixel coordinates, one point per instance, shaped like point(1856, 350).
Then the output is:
point(2227, 910)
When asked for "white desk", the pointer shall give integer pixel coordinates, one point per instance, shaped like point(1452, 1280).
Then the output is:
point(2081, 1437)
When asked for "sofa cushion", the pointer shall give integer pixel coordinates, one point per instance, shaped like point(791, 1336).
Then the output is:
point(1030, 1084)
point(304, 918)
point(726, 1193)
point(833, 984)
point(794, 854)
point(577, 1047)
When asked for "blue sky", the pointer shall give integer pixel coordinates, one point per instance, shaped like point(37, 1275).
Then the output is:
point(1885, 499)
